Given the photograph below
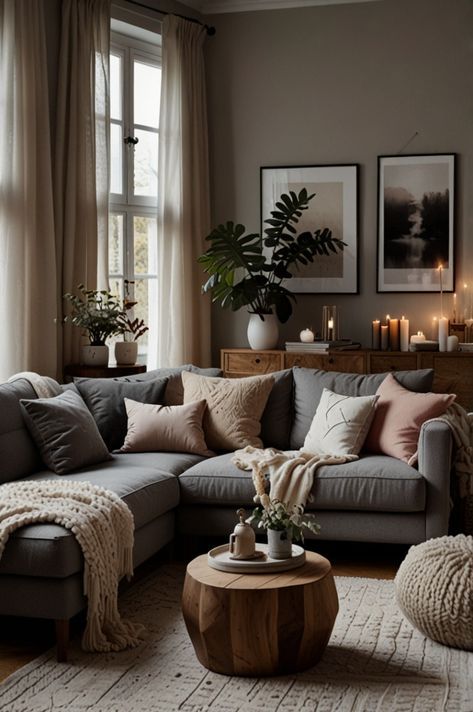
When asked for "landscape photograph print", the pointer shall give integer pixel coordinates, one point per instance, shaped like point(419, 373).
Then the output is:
point(415, 223)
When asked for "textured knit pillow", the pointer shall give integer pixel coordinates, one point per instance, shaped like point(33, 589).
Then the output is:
point(64, 431)
point(399, 417)
point(340, 424)
point(173, 428)
point(105, 400)
point(234, 408)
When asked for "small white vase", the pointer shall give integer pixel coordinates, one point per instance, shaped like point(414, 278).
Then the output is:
point(279, 544)
point(263, 331)
point(126, 352)
point(94, 355)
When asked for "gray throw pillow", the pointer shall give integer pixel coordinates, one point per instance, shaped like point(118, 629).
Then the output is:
point(276, 420)
point(174, 394)
point(64, 431)
point(105, 400)
point(310, 383)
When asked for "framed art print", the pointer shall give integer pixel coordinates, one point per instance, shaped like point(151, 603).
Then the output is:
point(335, 206)
point(416, 223)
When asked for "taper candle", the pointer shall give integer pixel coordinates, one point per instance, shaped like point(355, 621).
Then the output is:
point(441, 290)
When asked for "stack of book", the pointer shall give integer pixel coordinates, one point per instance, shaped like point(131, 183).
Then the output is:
point(322, 346)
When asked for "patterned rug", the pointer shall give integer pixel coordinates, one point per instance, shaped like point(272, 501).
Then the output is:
point(375, 661)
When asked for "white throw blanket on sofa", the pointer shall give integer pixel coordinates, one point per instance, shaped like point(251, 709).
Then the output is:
point(291, 472)
point(103, 526)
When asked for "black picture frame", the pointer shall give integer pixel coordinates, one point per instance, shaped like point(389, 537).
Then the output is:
point(416, 223)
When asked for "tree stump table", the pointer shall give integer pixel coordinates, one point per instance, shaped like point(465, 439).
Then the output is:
point(260, 624)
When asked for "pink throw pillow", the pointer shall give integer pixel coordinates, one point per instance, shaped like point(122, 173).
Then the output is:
point(399, 416)
point(170, 428)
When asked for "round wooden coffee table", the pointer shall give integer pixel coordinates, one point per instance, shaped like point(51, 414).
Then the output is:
point(260, 624)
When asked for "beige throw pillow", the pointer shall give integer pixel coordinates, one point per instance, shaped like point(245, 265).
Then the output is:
point(234, 408)
point(167, 428)
point(340, 424)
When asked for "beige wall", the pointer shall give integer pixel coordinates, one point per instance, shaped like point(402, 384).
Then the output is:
point(340, 84)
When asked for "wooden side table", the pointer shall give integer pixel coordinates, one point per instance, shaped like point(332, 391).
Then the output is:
point(260, 624)
point(78, 371)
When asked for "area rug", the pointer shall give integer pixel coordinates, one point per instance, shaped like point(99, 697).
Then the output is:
point(375, 661)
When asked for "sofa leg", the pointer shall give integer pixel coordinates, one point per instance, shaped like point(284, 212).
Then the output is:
point(62, 639)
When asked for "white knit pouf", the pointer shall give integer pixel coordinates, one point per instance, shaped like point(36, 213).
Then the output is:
point(434, 589)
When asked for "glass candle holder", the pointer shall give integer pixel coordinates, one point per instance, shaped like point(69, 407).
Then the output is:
point(330, 324)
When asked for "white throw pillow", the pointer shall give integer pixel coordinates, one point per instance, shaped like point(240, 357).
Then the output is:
point(340, 424)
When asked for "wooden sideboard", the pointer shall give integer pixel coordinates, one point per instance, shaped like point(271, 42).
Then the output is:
point(453, 370)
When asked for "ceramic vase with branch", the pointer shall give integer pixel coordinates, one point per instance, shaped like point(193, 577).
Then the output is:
point(126, 351)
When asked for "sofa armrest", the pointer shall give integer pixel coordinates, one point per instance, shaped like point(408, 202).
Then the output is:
point(435, 464)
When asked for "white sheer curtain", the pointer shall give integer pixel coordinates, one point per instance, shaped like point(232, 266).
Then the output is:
point(82, 154)
point(183, 202)
point(27, 248)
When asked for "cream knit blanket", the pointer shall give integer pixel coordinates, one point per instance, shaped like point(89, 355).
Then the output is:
point(291, 472)
point(461, 424)
point(103, 526)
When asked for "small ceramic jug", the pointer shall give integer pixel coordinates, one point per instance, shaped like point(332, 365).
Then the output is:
point(242, 540)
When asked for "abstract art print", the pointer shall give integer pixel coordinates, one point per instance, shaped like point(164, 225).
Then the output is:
point(416, 223)
point(335, 207)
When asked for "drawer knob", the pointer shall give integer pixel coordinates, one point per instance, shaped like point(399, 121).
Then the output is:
point(331, 360)
point(257, 360)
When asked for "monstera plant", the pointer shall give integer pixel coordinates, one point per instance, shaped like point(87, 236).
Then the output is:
point(248, 270)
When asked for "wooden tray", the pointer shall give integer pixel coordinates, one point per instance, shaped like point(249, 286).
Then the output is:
point(219, 558)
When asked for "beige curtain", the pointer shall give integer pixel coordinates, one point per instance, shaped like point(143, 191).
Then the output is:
point(82, 155)
point(27, 251)
point(183, 203)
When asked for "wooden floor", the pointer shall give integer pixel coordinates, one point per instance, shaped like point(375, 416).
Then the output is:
point(21, 640)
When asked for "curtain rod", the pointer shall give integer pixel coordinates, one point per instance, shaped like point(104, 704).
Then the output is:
point(210, 30)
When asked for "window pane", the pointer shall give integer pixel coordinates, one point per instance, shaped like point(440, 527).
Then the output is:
point(116, 158)
point(116, 287)
point(115, 244)
point(115, 86)
point(145, 245)
point(143, 293)
point(146, 163)
point(147, 88)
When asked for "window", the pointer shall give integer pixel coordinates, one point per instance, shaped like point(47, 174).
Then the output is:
point(135, 91)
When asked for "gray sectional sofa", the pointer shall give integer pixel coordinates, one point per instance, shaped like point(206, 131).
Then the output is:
point(374, 499)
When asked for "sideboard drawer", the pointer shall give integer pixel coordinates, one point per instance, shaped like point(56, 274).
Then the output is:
point(343, 362)
point(379, 363)
point(249, 363)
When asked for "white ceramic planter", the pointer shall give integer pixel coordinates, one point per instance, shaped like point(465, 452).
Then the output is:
point(263, 333)
point(94, 355)
point(279, 544)
point(126, 352)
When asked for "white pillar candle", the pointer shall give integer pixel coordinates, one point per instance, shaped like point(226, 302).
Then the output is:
point(394, 334)
point(404, 329)
point(434, 331)
point(443, 333)
point(452, 343)
point(418, 338)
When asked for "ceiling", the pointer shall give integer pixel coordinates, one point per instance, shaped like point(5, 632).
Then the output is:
point(219, 6)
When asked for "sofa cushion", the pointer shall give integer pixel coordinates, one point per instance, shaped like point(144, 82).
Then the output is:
point(64, 431)
point(174, 393)
point(171, 462)
point(340, 424)
point(374, 483)
point(52, 550)
point(234, 408)
point(399, 416)
point(19, 455)
point(309, 384)
point(276, 420)
point(105, 400)
point(172, 428)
